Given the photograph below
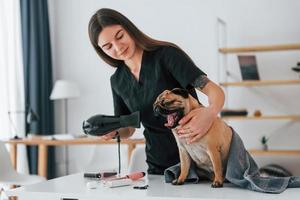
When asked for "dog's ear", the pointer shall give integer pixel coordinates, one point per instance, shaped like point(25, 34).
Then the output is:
point(182, 92)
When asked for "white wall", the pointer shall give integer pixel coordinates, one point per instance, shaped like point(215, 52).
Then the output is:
point(192, 25)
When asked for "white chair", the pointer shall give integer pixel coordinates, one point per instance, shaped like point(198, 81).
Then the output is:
point(9, 176)
point(138, 160)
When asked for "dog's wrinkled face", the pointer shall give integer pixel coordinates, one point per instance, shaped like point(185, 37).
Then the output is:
point(173, 105)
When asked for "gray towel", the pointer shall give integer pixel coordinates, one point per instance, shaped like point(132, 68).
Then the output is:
point(241, 171)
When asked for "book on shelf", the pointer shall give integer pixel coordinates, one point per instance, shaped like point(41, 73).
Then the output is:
point(248, 67)
point(233, 112)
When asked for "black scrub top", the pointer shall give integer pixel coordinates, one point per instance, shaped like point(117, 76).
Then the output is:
point(161, 69)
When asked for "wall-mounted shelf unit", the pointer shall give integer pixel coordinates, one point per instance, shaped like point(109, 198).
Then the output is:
point(226, 84)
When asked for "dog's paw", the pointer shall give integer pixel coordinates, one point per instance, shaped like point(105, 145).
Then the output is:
point(217, 184)
point(177, 182)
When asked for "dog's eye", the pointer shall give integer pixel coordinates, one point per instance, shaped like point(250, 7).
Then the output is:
point(167, 103)
point(177, 102)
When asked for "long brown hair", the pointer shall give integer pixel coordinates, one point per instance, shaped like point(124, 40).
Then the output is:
point(106, 17)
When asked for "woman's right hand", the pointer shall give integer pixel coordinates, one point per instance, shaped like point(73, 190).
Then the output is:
point(109, 136)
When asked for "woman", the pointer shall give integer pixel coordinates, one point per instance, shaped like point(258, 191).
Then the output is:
point(144, 68)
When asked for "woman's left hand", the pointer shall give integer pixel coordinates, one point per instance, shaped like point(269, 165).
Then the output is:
point(196, 123)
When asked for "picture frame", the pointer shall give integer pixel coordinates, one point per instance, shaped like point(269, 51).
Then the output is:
point(248, 67)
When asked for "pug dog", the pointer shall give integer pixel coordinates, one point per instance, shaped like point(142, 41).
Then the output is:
point(210, 153)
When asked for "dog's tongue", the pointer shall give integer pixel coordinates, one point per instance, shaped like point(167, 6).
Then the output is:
point(171, 120)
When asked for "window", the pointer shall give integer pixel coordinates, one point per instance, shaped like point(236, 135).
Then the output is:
point(11, 71)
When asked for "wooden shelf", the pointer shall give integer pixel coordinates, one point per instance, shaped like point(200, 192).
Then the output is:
point(281, 47)
point(274, 117)
point(260, 83)
point(274, 152)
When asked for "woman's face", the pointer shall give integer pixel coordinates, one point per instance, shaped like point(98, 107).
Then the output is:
point(116, 42)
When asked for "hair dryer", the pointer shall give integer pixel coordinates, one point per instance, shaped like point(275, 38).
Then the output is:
point(100, 125)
